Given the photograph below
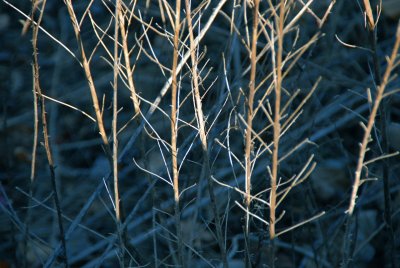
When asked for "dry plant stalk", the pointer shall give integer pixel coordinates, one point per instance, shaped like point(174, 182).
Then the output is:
point(89, 78)
point(249, 129)
point(368, 14)
point(276, 102)
point(371, 121)
point(279, 22)
point(38, 91)
point(121, 250)
point(167, 84)
point(384, 118)
point(276, 198)
point(174, 130)
point(111, 153)
point(206, 171)
point(115, 111)
point(27, 24)
point(129, 71)
point(378, 104)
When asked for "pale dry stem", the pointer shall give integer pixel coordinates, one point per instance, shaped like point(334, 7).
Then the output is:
point(174, 130)
point(370, 125)
point(202, 132)
point(249, 129)
point(89, 78)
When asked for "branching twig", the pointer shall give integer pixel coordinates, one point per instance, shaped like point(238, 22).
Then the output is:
point(88, 73)
point(206, 171)
point(371, 121)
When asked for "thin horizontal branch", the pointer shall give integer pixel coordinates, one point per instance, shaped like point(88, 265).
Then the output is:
point(301, 223)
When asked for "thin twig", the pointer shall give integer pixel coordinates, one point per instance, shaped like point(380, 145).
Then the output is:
point(121, 250)
point(297, 225)
point(47, 145)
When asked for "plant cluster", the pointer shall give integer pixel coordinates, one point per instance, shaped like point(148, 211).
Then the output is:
point(240, 133)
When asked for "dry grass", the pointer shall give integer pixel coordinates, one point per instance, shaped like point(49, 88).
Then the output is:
point(199, 133)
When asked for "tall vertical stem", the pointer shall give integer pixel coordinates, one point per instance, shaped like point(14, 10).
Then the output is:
point(249, 129)
point(174, 130)
point(206, 170)
point(47, 145)
point(277, 130)
point(114, 134)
